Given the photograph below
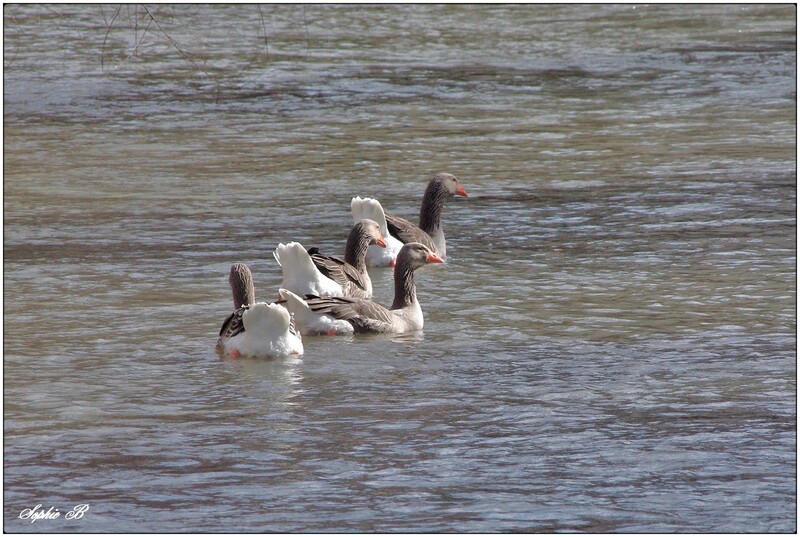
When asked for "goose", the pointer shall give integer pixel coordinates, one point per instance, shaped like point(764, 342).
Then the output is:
point(241, 281)
point(309, 272)
point(429, 231)
point(371, 208)
point(351, 274)
point(340, 315)
point(255, 329)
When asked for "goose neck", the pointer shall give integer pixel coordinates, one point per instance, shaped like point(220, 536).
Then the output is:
point(430, 213)
point(405, 292)
point(355, 251)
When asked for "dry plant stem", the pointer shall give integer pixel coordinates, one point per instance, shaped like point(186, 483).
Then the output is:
point(175, 44)
point(136, 46)
point(16, 41)
point(109, 25)
point(181, 51)
point(264, 26)
point(305, 23)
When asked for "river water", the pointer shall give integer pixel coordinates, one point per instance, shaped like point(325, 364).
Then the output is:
point(611, 346)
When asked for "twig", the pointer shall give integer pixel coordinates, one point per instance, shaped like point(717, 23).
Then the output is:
point(305, 22)
point(256, 54)
point(174, 43)
point(182, 53)
point(109, 25)
point(264, 26)
point(136, 46)
point(196, 14)
point(16, 41)
point(59, 18)
point(53, 11)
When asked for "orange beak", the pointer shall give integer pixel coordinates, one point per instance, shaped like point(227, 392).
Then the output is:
point(433, 258)
point(460, 191)
point(380, 242)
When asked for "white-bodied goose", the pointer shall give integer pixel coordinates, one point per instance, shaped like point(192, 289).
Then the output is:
point(307, 272)
point(371, 208)
point(351, 274)
point(255, 329)
point(338, 315)
point(429, 231)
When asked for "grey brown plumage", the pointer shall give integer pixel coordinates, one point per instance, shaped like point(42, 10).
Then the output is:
point(240, 279)
point(242, 288)
point(367, 316)
point(429, 231)
point(233, 324)
point(351, 273)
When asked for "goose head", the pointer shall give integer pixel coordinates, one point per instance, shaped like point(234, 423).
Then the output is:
point(415, 255)
point(241, 282)
point(372, 230)
point(450, 183)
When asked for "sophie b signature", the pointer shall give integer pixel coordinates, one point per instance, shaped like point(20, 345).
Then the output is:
point(37, 513)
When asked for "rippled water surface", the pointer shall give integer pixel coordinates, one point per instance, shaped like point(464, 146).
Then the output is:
point(611, 346)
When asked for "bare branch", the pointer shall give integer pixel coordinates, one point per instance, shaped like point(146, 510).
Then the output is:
point(109, 25)
point(264, 26)
point(305, 22)
point(136, 46)
point(16, 41)
point(136, 23)
point(174, 43)
point(183, 53)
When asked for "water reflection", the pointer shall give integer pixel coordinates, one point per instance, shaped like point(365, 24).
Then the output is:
point(278, 381)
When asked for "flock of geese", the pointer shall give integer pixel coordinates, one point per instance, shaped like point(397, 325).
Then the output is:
point(325, 295)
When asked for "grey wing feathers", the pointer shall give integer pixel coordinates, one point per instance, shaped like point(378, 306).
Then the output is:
point(337, 270)
point(233, 325)
point(363, 314)
point(406, 231)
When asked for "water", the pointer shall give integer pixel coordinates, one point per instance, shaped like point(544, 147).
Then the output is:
point(610, 348)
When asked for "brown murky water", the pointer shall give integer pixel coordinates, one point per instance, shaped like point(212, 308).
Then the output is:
point(611, 347)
